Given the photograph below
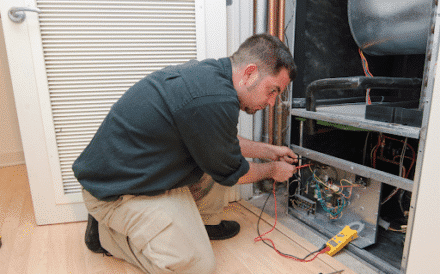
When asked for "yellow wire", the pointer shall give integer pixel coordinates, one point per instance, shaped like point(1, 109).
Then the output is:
point(347, 181)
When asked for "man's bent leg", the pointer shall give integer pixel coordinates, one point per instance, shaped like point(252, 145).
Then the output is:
point(210, 198)
point(159, 234)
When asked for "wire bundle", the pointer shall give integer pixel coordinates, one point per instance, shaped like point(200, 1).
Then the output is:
point(342, 199)
point(335, 211)
point(403, 172)
point(367, 73)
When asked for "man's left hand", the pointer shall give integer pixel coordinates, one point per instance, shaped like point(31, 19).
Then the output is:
point(283, 153)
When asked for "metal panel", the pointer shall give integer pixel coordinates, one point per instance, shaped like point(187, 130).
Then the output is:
point(353, 115)
point(357, 169)
point(362, 208)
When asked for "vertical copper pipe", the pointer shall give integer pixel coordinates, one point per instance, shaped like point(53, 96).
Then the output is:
point(281, 16)
point(272, 26)
point(279, 106)
point(254, 26)
point(272, 22)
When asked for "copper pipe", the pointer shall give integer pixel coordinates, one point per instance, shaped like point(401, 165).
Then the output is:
point(272, 26)
point(272, 22)
point(281, 16)
point(279, 115)
point(254, 26)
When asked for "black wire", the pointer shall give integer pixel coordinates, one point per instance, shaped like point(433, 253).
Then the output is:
point(301, 158)
point(259, 235)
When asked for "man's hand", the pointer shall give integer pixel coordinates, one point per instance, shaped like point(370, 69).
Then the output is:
point(280, 168)
point(282, 153)
point(281, 171)
point(252, 149)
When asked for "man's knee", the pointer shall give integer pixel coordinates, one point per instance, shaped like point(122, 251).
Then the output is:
point(157, 258)
point(181, 258)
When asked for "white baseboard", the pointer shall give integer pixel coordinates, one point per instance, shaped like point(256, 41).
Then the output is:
point(11, 158)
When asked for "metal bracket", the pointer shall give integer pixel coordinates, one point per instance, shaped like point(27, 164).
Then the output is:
point(17, 15)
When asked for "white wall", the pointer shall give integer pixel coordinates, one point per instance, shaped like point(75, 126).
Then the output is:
point(11, 149)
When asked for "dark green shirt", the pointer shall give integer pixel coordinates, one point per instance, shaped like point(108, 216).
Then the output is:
point(165, 132)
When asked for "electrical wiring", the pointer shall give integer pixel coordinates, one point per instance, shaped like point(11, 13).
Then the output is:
point(298, 187)
point(308, 181)
point(298, 168)
point(365, 64)
point(335, 211)
point(364, 151)
point(402, 230)
point(400, 200)
point(405, 146)
point(342, 198)
point(403, 172)
point(402, 157)
point(350, 186)
point(381, 144)
point(316, 253)
point(339, 191)
point(367, 73)
point(394, 192)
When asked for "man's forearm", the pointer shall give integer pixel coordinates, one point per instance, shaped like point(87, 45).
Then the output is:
point(279, 171)
point(257, 172)
point(252, 149)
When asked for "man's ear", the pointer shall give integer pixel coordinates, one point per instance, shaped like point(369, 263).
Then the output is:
point(251, 74)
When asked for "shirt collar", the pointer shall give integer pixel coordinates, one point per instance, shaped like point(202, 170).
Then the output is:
point(227, 66)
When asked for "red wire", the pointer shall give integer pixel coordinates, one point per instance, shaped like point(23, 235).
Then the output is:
point(412, 151)
point(303, 166)
point(260, 238)
point(382, 140)
point(294, 258)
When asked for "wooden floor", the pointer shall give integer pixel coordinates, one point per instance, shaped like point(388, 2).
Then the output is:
point(57, 249)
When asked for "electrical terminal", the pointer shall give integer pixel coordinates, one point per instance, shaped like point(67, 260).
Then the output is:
point(334, 188)
point(303, 203)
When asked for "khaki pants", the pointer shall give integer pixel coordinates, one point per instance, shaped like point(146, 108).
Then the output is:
point(163, 233)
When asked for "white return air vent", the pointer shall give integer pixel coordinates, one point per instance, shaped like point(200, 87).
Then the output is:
point(94, 51)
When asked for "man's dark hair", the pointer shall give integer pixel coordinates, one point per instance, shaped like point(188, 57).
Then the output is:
point(269, 54)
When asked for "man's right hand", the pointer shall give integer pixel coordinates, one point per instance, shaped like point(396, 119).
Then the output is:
point(282, 171)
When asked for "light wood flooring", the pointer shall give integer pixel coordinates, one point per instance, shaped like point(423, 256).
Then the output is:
point(60, 248)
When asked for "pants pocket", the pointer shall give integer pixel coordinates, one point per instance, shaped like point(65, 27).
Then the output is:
point(138, 220)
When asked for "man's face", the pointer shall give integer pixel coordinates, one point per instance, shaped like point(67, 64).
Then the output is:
point(264, 92)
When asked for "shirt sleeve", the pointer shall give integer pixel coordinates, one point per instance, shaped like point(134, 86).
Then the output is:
point(208, 126)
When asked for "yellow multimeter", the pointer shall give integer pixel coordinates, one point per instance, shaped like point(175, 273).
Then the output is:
point(340, 240)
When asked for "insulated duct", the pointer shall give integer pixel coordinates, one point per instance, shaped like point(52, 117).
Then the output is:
point(390, 27)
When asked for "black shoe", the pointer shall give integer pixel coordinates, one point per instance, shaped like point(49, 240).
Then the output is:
point(92, 237)
point(223, 231)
